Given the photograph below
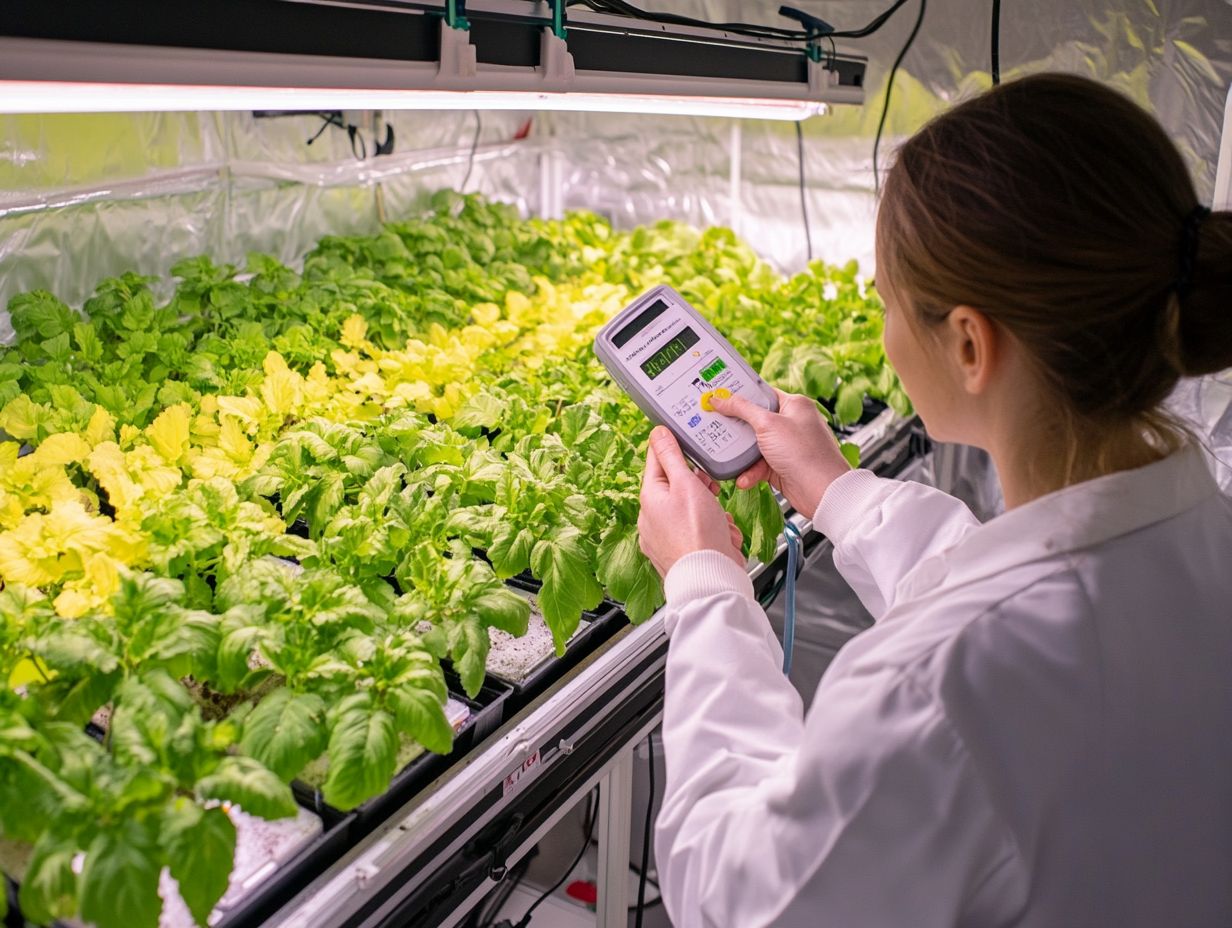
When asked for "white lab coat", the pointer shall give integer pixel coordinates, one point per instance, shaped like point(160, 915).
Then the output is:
point(1036, 732)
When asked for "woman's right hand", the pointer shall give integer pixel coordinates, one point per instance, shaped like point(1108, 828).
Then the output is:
point(800, 455)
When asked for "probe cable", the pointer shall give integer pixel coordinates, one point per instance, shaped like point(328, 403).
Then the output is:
point(795, 543)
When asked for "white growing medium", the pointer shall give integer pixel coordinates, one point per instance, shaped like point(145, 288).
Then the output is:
point(261, 848)
point(515, 659)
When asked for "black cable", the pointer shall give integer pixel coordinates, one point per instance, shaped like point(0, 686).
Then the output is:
point(641, 883)
point(470, 162)
point(564, 876)
point(622, 8)
point(885, 106)
point(996, 42)
point(808, 235)
point(327, 119)
point(874, 25)
point(487, 912)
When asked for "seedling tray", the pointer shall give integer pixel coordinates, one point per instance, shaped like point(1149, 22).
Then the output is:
point(267, 887)
point(597, 626)
point(273, 886)
point(487, 714)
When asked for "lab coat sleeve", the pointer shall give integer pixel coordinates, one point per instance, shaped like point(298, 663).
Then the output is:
point(881, 529)
point(868, 815)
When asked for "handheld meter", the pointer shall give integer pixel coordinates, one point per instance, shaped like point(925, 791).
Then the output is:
point(671, 361)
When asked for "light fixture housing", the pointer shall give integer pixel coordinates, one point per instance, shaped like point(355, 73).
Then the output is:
point(142, 55)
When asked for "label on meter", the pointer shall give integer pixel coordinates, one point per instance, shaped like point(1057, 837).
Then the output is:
point(672, 362)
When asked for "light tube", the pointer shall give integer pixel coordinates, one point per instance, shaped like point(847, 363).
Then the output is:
point(90, 97)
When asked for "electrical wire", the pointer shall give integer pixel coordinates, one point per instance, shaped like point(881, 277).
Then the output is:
point(795, 545)
point(996, 42)
point(470, 161)
point(885, 106)
point(487, 912)
point(808, 235)
point(641, 883)
point(753, 30)
point(525, 920)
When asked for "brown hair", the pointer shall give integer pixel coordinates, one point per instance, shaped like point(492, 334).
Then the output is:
point(1062, 211)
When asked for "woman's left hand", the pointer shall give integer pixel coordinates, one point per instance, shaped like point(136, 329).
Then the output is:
point(680, 513)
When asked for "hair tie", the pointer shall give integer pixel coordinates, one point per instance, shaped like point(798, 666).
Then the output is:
point(1189, 248)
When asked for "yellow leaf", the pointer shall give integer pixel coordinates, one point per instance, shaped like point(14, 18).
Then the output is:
point(101, 426)
point(29, 670)
point(169, 432)
point(110, 469)
point(485, 313)
point(60, 449)
point(233, 441)
point(20, 417)
point(274, 363)
point(245, 408)
point(280, 391)
point(354, 332)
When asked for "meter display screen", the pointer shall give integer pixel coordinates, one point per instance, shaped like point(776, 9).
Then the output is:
point(662, 359)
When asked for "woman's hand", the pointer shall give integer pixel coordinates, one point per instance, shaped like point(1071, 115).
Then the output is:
point(800, 455)
point(680, 513)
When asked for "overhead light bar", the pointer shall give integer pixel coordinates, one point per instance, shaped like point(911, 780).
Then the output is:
point(70, 97)
point(141, 55)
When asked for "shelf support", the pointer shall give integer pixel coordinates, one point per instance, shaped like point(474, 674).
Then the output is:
point(615, 820)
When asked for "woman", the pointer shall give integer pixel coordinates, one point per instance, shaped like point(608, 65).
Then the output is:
point(1038, 729)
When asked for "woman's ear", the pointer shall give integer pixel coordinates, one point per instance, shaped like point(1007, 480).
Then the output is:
point(975, 345)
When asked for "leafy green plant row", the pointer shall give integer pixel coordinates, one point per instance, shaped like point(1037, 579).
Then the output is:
point(257, 513)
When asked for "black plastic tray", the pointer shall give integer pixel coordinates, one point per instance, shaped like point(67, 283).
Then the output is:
point(283, 882)
point(487, 714)
point(872, 409)
point(293, 875)
point(601, 624)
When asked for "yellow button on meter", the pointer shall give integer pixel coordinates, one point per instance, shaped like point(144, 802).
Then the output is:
point(721, 393)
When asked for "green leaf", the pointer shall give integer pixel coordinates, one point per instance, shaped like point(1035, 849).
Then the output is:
point(510, 549)
point(851, 453)
point(850, 404)
point(251, 786)
point(483, 410)
point(500, 607)
point(468, 648)
point(563, 564)
point(420, 713)
point(49, 888)
point(285, 731)
point(119, 882)
point(233, 653)
point(200, 847)
point(363, 750)
point(628, 575)
point(40, 313)
point(759, 518)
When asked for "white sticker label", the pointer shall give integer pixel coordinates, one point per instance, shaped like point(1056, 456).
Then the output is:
point(513, 780)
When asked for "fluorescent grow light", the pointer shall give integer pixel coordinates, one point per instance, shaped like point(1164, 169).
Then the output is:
point(315, 56)
point(92, 97)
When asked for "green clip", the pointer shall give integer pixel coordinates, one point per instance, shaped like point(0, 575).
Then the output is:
point(558, 18)
point(455, 15)
point(814, 50)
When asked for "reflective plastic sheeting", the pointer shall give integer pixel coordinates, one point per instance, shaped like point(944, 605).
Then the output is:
point(1172, 56)
point(85, 196)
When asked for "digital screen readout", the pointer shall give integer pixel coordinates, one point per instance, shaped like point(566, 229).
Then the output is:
point(662, 359)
